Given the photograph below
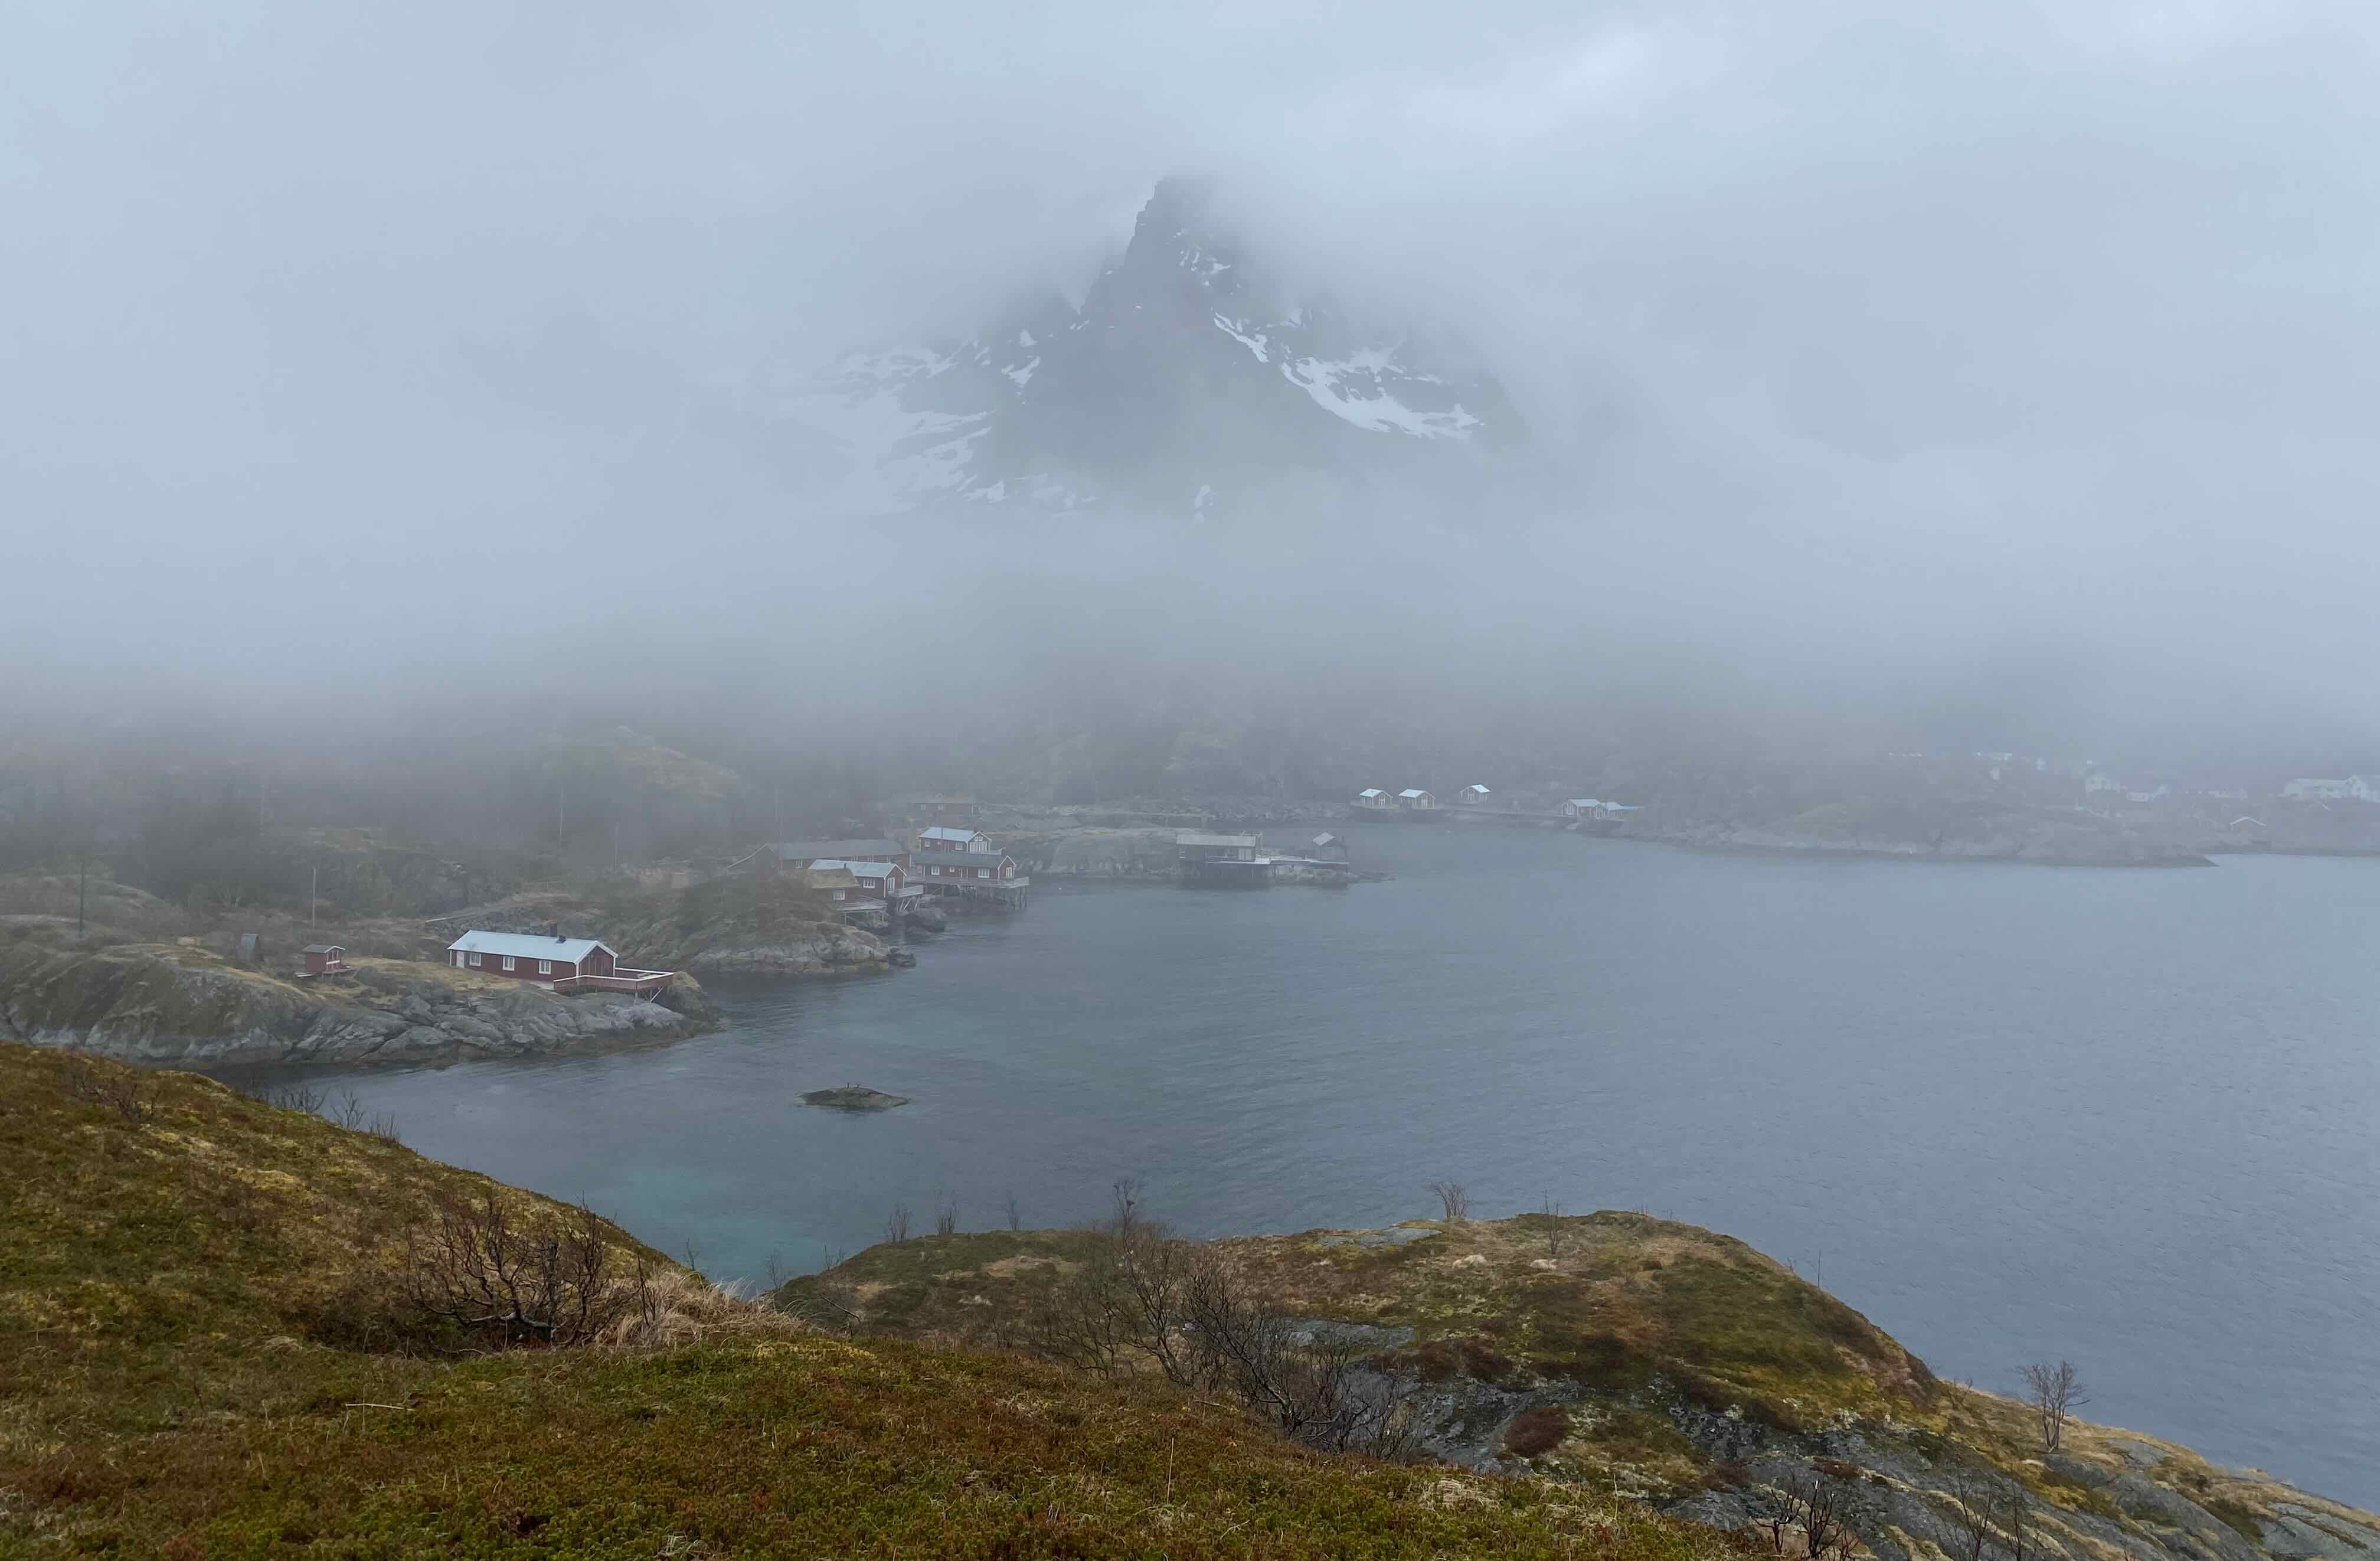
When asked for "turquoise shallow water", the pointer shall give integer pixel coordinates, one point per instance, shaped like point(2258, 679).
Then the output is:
point(2007, 1112)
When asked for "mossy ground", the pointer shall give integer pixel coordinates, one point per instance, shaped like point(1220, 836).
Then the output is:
point(183, 1373)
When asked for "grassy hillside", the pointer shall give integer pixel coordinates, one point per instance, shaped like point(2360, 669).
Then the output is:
point(1622, 1353)
point(202, 1354)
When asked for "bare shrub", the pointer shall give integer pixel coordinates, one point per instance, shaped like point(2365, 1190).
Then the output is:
point(1536, 1431)
point(1143, 1300)
point(1454, 1199)
point(1972, 1500)
point(1557, 1236)
point(2051, 1393)
point(129, 1096)
point(1313, 1382)
point(2016, 1516)
point(1124, 1207)
point(897, 1225)
point(830, 1301)
point(1820, 1505)
point(946, 1217)
point(1827, 1506)
point(1014, 1214)
point(307, 1097)
point(484, 1268)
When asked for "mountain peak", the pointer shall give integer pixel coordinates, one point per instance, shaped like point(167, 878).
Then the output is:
point(1182, 385)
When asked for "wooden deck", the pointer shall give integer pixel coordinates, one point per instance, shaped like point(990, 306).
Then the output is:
point(623, 979)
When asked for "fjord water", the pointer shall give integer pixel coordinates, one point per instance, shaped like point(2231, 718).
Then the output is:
point(2010, 1112)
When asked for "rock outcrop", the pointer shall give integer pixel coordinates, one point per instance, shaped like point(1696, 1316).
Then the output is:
point(1660, 1362)
point(821, 951)
point(180, 1004)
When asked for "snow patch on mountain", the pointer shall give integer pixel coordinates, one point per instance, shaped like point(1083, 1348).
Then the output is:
point(1183, 371)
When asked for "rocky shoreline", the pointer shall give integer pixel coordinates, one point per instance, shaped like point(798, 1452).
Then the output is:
point(153, 1002)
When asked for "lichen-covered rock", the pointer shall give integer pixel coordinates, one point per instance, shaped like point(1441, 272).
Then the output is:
point(822, 951)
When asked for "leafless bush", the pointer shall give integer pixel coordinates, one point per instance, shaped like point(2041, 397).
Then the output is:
point(1820, 1505)
point(307, 1097)
point(1556, 1237)
point(1973, 1498)
point(1124, 1207)
point(2016, 1518)
point(349, 1111)
point(1147, 1301)
point(1453, 1200)
point(1014, 1213)
point(484, 1267)
point(897, 1225)
point(830, 1301)
point(129, 1096)
point(946, 1217)
point(2051, 1393)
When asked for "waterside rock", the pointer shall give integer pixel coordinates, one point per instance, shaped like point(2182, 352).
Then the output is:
point(853, 1097)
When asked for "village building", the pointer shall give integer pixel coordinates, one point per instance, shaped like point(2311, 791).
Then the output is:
point(565, 964)
point(840, 889)
point(1327, 847)
point(968, 867)
point(325, 958)
point(945, 838)
point(1416, 801)
point(1373, 800)
point(1221, 859)
point(1581, 808)
point(2354, 788)
point(1474, 796)
point(886, 884)
point(808, 853)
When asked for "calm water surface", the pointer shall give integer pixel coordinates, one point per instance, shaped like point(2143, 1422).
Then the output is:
point(2007, 1112)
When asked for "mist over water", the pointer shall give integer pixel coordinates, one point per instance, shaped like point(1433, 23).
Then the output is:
point(2007, 1111)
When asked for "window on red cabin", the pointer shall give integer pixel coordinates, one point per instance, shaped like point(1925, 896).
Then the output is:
point(545, 966)
point(508, 961)
point(475, 961)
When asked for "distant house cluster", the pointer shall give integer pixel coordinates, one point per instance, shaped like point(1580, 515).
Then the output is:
point(1479, 799)
point(2354, 788)
point(859, 877)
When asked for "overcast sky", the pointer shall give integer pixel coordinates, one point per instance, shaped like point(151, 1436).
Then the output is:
point(2026, 346)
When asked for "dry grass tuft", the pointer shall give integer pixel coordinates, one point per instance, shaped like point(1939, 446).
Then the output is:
point(683, 1309)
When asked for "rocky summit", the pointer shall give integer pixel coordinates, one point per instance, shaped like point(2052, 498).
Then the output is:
point(1189, 383)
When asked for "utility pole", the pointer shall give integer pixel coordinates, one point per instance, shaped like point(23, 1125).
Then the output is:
point(82, 882)
point(313, 891)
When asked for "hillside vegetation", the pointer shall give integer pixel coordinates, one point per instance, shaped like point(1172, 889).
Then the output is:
point(205, 1350)
point(1621, 1353)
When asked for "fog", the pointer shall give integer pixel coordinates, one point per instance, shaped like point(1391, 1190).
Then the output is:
point(2006, 378)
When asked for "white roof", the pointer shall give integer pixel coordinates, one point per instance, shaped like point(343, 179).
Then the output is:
point(1412, 792)
point(1480, 789)
point(1584, 802)
point(856, 869)
point(528, 945)
point(1371, 791)
point(939, 833)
